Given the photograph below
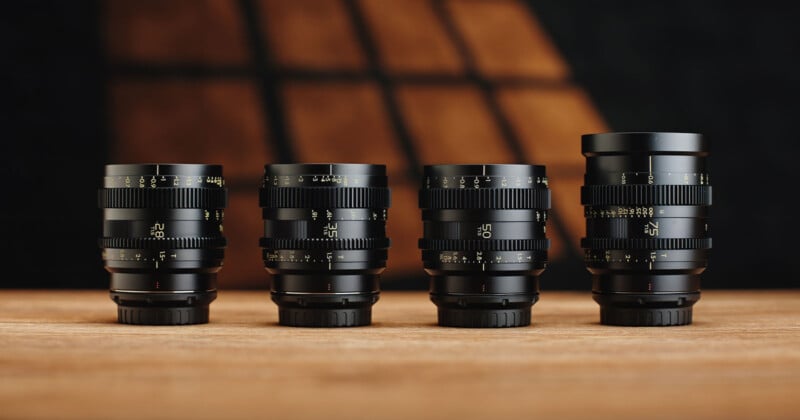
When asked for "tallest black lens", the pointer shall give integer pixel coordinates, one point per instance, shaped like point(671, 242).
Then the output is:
point(646, 198)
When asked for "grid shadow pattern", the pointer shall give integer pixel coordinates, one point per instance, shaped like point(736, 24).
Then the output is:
point(246, 83)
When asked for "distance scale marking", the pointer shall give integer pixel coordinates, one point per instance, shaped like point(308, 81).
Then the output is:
point(659, 178)
point(163, 181)
point(645, 256)
point(637, 212)
point(485, 258)
point(317, 180)
point(327, 259)
point(481, 181)
point(165, 258)
point(336, 214)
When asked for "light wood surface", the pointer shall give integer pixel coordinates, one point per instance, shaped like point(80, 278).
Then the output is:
point(64, 356)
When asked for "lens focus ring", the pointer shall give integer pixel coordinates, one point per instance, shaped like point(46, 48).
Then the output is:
point(165, 198)
point(672, 195)
point(325, 197)
point(467, 198)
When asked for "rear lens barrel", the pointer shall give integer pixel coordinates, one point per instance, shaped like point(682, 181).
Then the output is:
point(325, 242)
point(162, 240)
point(484, 243)
point(646, 198)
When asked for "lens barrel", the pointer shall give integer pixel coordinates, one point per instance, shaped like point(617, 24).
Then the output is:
point(484, 241)
point(646, 198)
point(324, 242)
point(162, 240)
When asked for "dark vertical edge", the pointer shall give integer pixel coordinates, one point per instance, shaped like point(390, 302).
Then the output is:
point(268, 82)
point(105, 130)
point(54, 144)
point(386, 86)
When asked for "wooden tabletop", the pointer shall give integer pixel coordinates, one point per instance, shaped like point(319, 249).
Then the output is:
point(64, 356)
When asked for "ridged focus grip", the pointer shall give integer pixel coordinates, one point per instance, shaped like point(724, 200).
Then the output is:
point(323, 197)
point(163, 198)
point(484, 245)
point(633, 195)
point(646, 243)
point(324, 244)
point(499, 198)
point(162, 243)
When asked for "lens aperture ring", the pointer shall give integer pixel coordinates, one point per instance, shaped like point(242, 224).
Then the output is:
point(323, 197)
point(646, 243)
point(483, 245)
point(495, 198)
point(639, 194)
point(204, 198)
point(323, 243)
point(163, 243)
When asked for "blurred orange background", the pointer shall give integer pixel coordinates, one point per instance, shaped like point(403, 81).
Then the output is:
point(244, 83)
point(403, 83)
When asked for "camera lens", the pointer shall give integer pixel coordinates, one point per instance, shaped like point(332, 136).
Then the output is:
point(646, 198)
point(162, 240)
point(484, 241)
point(324, 242)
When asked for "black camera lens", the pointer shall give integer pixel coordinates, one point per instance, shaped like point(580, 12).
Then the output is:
point(162, 240)
point(324, 242)
point(484, 241)
point(646, 198)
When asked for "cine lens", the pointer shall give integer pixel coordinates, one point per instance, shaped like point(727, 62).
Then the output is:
point(324, 242)
point(484, 243)
point(162, 240)
point(646, 199)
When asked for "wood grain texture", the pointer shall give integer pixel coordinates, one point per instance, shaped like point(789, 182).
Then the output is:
point(64, 356)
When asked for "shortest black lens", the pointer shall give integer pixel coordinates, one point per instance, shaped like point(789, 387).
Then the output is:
point(162, 240)
point(324, 242)
point(484, 244)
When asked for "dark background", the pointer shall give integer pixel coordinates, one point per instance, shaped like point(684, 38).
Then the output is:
point(724, 69)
